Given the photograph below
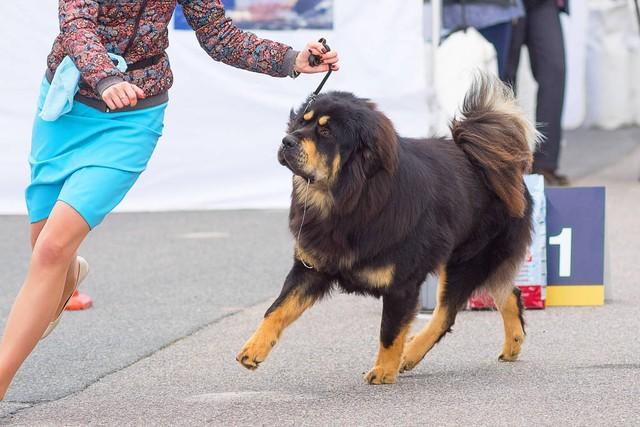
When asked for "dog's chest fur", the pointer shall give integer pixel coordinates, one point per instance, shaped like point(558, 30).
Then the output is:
point(350, 274)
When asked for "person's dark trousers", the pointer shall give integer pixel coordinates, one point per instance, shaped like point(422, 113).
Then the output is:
point(541, 32)
point(499, 36)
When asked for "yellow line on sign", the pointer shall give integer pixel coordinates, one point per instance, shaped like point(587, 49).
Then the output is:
point(575, 295)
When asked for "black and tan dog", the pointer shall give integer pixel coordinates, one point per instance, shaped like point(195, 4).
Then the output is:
point(382, 212)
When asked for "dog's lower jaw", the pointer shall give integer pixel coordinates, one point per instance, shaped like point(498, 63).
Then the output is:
point(306, 178)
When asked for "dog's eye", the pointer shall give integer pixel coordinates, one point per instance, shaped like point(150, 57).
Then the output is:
point(324, 131)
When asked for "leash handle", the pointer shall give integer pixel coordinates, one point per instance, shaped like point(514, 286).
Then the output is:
point(314, 61)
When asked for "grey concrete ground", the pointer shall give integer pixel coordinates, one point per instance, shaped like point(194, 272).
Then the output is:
point(177, 294)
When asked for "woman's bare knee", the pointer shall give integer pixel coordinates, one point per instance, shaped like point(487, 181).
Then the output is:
point(51, 251)
point(60, 237)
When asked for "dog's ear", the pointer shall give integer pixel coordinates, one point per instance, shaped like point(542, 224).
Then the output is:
point(377, 149)
point(379, 141)
point(347, 191)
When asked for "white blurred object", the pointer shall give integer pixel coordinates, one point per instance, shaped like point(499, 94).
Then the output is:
point(634, 65)
point(608, 64)
point(609, 83)
point(527, 88)
point(575, 31)
point(454, 71)
point(634, 51)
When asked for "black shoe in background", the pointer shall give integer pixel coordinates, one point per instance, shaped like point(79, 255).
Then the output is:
point(552, 179)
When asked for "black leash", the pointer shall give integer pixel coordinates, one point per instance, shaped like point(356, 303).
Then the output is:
point(314, 61)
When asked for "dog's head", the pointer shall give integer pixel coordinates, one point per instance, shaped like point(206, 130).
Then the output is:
point(338, 143)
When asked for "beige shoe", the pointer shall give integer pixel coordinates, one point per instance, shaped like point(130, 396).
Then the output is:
point(83, 270)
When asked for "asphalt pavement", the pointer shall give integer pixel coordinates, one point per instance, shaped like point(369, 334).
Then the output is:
point(177, 294)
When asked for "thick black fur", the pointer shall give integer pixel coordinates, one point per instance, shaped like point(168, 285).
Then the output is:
point(418, 205)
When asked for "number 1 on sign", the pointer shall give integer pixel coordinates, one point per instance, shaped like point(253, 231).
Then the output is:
point(563, 240)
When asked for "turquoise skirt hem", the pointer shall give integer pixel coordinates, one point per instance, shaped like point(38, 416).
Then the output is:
point(88, 158)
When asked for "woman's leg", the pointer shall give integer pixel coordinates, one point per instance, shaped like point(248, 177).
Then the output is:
point(518, 36)
point(72, 272)
point(545, 42)
point(499, 36)
point(37, 301)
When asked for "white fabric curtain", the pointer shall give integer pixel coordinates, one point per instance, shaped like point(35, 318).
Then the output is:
point(223, 126)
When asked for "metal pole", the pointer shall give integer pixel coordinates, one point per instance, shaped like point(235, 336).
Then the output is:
point(637, 13)
point(430, 286)
point(432, 96)
point(436, 26)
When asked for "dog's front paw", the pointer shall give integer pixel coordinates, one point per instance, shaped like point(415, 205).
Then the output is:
point(511, 348)
point(255, 351)
point(411, 356)
point(378, 375)
point(407, 365)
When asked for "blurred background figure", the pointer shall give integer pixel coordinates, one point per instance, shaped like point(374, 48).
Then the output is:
point(281, 14)
point(541, 32)
point(492, 18)
point(229, 4)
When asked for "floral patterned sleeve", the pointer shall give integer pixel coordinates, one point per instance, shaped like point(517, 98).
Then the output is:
point(78, 20)
point(224, 42)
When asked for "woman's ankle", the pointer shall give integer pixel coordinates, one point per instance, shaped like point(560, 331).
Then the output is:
point(3, 390)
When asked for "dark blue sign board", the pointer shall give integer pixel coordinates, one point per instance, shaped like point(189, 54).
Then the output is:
point(575, 245)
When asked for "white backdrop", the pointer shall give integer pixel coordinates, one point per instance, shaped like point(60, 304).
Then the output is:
point(223, 125)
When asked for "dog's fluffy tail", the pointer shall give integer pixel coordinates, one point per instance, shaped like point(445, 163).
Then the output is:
point(497, 137)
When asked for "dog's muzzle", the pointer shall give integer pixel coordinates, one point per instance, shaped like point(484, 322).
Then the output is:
point(289, 143)
point(290, 156)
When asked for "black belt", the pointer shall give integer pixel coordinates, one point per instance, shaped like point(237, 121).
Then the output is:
point(151, 101)
point(153, 60)
point(98, 104)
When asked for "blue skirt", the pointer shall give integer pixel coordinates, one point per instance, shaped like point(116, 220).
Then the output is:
point(89, 159)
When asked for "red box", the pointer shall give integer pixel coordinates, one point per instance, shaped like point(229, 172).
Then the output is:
point(532, 297)
point(532, 277)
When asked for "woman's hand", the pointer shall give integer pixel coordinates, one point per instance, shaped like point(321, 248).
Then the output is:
point(329, 59)
point(122, 95)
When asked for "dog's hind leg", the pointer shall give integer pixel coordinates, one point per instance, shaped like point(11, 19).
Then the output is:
point(506, 297)
point(441, 321)
point(398, 312)
point(301, 289)
point(511, 310)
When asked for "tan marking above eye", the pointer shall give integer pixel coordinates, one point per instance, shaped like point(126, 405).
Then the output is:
point(322, 121)
point(308, 116)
